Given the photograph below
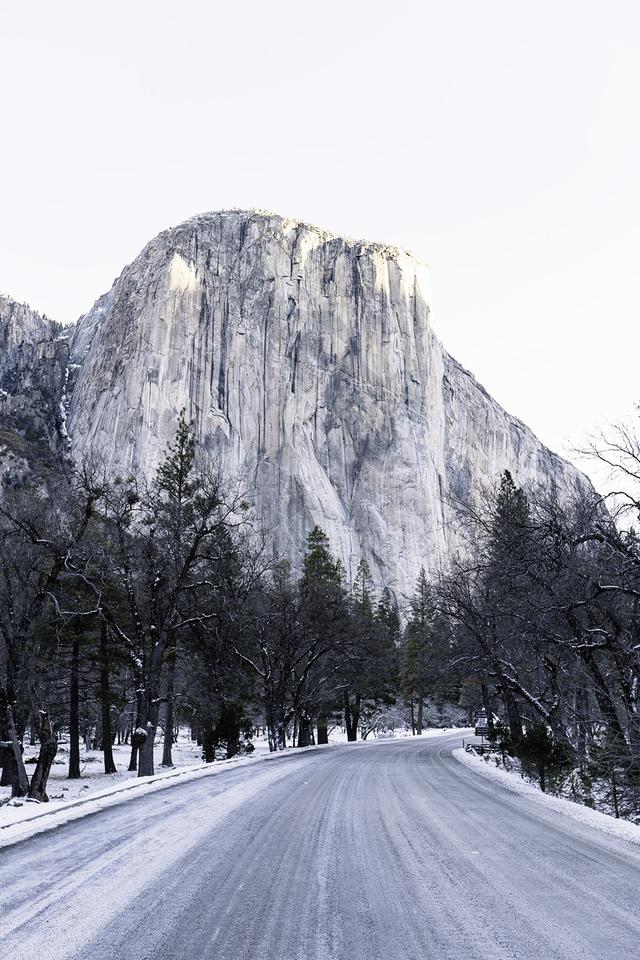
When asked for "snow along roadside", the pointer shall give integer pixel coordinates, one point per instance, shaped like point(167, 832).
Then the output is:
point(576, 811)
point(40, 820)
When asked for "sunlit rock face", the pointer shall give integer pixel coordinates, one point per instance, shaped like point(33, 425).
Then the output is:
point(308, 363)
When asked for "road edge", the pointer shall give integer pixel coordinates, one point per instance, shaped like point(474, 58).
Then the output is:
point(621, 829)
point(20, 830)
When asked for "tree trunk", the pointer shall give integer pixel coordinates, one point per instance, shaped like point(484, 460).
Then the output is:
point(513, 715)
point(323, 729)
point(145, 752)
point(209, 744)
point(133, 756)
point(351, 716)
point(151, 704)
point(347, 715)
point(46, 756)
point(511, 709)
point(487, 709)
point(105, 704)
point(232, 726)
point(581, 705)
point(14, 773)
point(271, 728)
point(355, 715)
point(413, 719)
point(607, 707)
point(304, 731)
point(282, 732)
point(276, 724)
point(167, 742)
point(420, 715)
point(614, 794)
point(74, 713)
point(137, 732)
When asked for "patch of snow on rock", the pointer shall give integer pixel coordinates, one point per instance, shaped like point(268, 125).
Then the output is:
point(182, 275)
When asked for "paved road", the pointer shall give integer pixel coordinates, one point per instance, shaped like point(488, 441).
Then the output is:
point(387, 851)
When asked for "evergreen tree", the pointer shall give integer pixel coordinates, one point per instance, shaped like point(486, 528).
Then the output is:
point(389, 619)
point(362, 592)
point(325, 625)
point(177, 486)
point(319, 567)
point(370, 665)
point(174, 475)
point(418, 651)
point(426, 654)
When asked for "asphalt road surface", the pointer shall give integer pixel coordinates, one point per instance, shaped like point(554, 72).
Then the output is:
point(383, 851)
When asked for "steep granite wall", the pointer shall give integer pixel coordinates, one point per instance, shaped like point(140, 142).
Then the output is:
point(308, 362)
point(34, 367)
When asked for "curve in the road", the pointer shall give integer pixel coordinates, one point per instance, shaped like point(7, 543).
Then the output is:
point(388, 851)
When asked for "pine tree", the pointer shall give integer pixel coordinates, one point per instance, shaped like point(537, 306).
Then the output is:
point(319, 567)
point(506, 577)
point(175, 481)
point(174, 472)
point(324, 622)
point(388, 617)
point(419, 649)
point(510, 520)
point(362, 592)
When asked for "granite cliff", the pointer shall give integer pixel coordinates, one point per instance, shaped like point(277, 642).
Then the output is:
point(307, 362)
point(34, 370)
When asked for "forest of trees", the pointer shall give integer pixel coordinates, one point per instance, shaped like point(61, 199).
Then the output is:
point(542, 611)
point(129, 608)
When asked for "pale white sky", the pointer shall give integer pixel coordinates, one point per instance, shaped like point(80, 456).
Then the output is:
point(497, 139)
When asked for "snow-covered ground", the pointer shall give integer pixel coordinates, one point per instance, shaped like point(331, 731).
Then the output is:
point(577, 811)
point(186, 753)
point(95, 785)
point(72, 799)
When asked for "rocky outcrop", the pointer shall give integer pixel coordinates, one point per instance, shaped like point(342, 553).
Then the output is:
point(34, 368)
point(308, 362)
